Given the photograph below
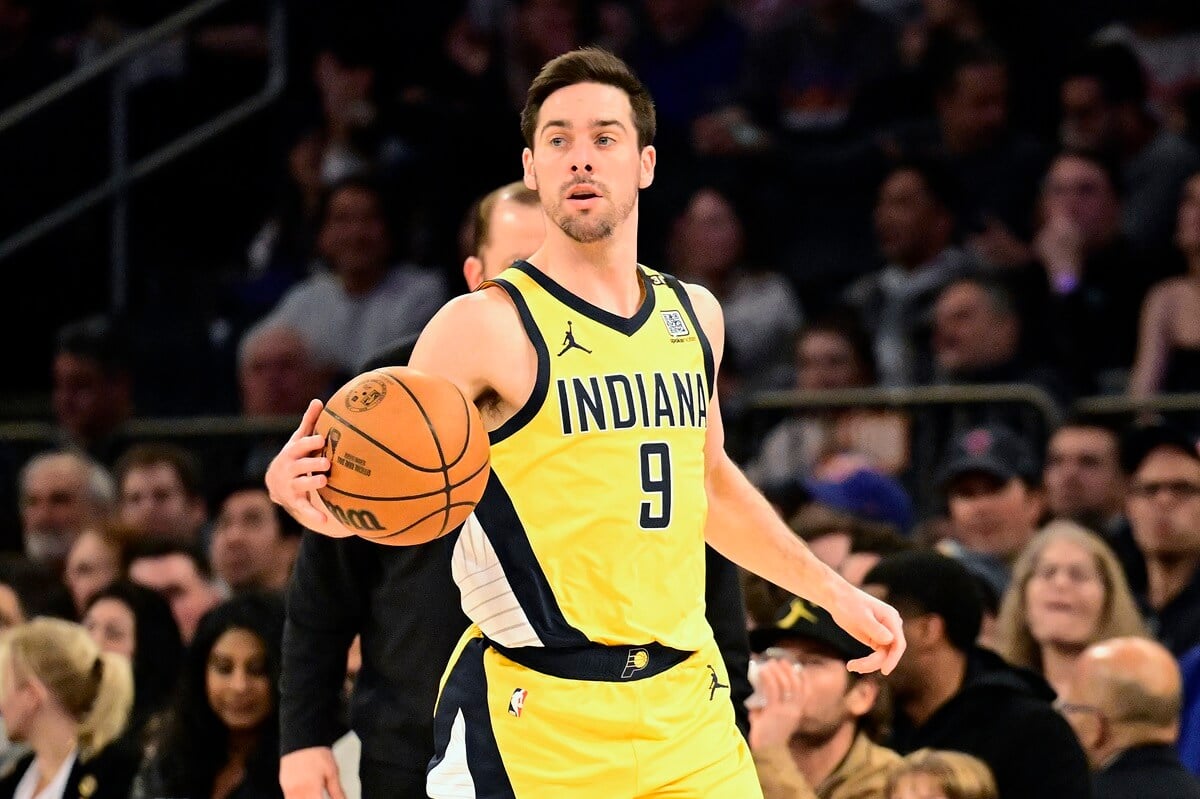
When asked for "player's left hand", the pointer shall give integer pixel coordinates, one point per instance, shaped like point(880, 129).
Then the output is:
point(875, 623)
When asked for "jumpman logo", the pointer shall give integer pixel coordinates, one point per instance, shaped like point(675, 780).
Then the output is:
point(569, 342)
point(714, 684)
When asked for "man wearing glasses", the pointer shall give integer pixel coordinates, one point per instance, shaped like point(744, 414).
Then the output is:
point(1164, 511)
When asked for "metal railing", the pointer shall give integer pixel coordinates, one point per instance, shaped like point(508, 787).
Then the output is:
point(124, 174)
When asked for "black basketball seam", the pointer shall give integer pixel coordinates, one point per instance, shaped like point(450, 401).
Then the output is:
point(424, 518)
point(380, 445)
point(426, 495)
point(437, 442)
point(467, 440)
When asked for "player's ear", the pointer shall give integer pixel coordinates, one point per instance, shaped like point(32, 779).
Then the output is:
point(649, 159)
point(473, 272)
point(530, 177)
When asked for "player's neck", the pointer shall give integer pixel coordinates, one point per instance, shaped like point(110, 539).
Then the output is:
point(604, 273)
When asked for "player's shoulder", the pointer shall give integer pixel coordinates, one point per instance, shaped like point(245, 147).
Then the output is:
point(706, 307)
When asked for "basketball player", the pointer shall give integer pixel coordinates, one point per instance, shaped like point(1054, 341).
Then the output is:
point(589, 667)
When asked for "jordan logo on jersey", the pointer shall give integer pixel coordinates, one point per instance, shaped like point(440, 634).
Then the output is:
point(517, 703)
point(714, 683)
point(569, 342)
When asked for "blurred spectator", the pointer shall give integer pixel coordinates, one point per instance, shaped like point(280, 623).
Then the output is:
point(1168, 349)
point(277, 376)
point(1096, 279)
point(1164, 512)
point(180, 574)
point(355, 131)
point(70, 701)
point(978, 338)
point(1168, 49)
point(1124, 705)
point(94, 561)
point(93, 390)
point(1068, 591)
point(134, 621)
point(866, 494)
point(762, 314)
point(254, 540)
point(831, 352)
point(991, 482)
point(27, 591)
point(690, 54)
point(1086, 484)
point(539, 30)
point(996, 166)
point(161, 492)
point(363, 301)
point(222, 739)
point(941, 774)
point(62, 492)
point(916, 228)
point(813, 724)
point(949, 693)
point(1104, 107)
point(803, 77)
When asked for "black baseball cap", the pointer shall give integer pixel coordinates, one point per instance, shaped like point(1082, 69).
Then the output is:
point(993, 450)
point(802, 619)
point(1141, 440)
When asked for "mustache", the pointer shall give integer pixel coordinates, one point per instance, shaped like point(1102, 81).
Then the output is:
point(570, 184)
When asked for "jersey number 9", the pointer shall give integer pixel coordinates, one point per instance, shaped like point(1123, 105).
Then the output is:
point(656, 484)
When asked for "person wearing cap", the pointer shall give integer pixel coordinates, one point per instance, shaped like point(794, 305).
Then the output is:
point(812, 730)
point(1164, 511)
point(1124, 703)
point(867, 494)
point(950, 693)
point(990, 480)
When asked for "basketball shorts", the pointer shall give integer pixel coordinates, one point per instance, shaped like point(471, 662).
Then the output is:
point(593, 723)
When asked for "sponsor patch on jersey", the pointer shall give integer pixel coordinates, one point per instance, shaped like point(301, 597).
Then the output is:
point(517, 702)
point(676, 326)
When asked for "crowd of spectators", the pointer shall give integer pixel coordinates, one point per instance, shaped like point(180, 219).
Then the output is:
point(884, 194)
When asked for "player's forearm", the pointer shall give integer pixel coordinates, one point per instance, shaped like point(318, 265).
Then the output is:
point(744, 527)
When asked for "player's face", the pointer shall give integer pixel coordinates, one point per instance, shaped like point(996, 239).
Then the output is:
point(516, 232)
point(586, 164)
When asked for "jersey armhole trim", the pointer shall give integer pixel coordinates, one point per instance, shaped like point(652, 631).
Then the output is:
point(701, 336)
point(541, 384)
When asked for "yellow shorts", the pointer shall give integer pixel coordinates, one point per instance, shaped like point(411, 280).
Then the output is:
point(506, 731)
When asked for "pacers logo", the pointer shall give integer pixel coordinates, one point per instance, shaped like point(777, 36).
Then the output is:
point(354, 518)
point(638, 659)
point(365, 395)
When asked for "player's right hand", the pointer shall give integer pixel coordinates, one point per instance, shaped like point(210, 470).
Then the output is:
point(310, 773)
point(298, 471)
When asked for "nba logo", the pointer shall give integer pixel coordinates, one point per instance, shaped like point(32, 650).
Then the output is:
point(517, 702)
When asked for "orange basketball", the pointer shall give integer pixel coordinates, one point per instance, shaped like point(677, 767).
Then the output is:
point(408, 455)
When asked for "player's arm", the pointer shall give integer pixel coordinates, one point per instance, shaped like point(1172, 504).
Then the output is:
point(744, 527)
point(475, 341)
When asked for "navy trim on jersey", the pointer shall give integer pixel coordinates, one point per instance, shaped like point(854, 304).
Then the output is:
point(686, 302)
point(541, 384)
point(466, 691)
point(506, 532)
point(608, 319)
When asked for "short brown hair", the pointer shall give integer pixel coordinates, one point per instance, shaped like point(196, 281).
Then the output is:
point(589, 65)
point(480, 218)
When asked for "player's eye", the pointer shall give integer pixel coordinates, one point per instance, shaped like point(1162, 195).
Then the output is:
point(604, 141)
point(557, 141)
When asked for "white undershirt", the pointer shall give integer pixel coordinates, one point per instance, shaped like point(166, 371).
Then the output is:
point(56, 788)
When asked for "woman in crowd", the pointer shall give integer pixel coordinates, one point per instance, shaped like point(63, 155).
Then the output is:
point(941, 774)
point(93, 561)
point(222, 741)
point(1067, 591)
point(136, 622)
point(68, 701)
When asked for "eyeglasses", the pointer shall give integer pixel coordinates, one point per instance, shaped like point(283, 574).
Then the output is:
point(1074, 573)
point(1177, 489)
point(1067, 708)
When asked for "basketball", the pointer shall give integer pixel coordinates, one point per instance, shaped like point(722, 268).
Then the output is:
point(408, 456)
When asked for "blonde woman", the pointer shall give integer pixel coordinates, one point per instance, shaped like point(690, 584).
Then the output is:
point(68, 701)
point(941, 774)
point(1067, 592)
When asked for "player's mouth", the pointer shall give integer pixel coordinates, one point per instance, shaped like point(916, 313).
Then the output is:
point(583, 196)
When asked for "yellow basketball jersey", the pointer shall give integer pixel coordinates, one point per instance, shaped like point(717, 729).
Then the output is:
point(592, 524)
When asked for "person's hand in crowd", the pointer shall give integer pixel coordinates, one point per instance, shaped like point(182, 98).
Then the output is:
point(782, 694)
point(727, 131)
point(310, 773)
point(997, 246)
point(1059, 246)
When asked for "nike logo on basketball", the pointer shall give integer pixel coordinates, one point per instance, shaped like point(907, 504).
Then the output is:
point(714, 683)
point(569, 342)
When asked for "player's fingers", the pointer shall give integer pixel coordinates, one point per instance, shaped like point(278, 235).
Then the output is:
point(313, 466)
point(308, 421)
point(333, 785)
point(868, 664)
